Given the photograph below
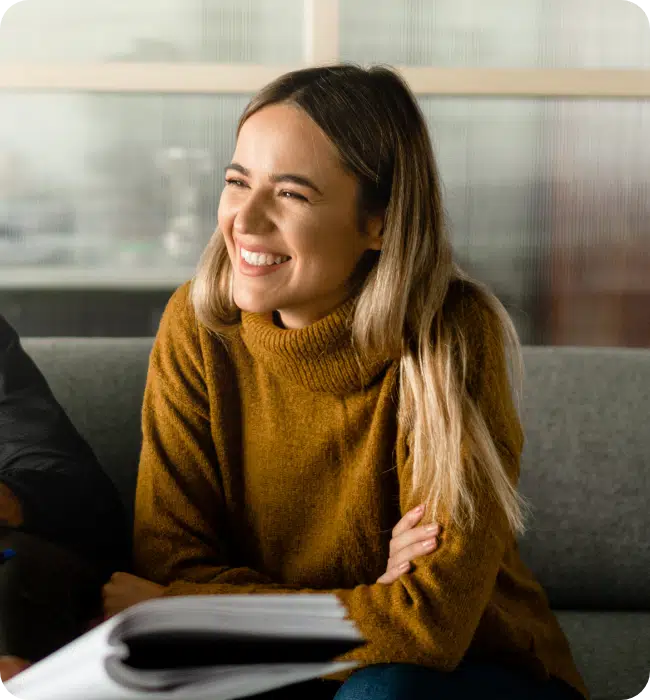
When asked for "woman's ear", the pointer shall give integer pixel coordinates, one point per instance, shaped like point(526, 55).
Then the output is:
point(375, 231)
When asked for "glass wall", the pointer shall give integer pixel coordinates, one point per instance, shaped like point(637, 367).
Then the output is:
point(547, 197)
point(98, 180)
point(549, 202)
point(188, 31)
point(496, 33)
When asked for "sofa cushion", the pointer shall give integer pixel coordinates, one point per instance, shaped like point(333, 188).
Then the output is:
point(586, 469)
point(585, 466)
point(611, 651)
point(100, 383)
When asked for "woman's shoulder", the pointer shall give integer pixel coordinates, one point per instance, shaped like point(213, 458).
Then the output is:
point(468, 305)
point(178, 323)
point(180, 312)
point(480, 330)
point(180, 328)
point(179, 307)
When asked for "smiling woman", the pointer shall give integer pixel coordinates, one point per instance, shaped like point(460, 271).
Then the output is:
point(329, 369)
point(287, 195)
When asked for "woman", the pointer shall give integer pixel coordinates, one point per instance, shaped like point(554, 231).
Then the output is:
point(339, 369)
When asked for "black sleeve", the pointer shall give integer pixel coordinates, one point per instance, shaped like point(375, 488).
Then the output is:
point(65, 494)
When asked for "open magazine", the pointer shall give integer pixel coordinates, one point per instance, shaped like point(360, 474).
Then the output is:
point(197, 648)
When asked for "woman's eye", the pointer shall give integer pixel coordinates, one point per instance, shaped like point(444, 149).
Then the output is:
point(292, 195)
point(235, 182)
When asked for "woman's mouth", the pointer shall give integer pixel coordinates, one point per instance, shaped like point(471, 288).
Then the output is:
point(261, 259)
point(257, 264)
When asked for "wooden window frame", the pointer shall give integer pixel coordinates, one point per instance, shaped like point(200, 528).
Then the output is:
point(320, 47)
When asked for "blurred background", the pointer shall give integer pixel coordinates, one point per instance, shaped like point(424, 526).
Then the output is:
point(116, 119)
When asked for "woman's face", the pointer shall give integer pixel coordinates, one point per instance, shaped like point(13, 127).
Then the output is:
point(287, 197)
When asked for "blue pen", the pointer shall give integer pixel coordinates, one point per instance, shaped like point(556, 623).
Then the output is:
point(7, 554)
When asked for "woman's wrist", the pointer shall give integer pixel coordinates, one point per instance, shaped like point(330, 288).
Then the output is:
point(11, 510)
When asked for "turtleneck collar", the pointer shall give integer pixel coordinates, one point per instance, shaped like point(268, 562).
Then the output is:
point(320, 357)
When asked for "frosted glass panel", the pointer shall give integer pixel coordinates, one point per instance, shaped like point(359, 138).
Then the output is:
point(599, 273)
point(548, 200)
point(489, 153)
point(549, 203)
point(105, 178)
point(248, 31)
point(498, 33)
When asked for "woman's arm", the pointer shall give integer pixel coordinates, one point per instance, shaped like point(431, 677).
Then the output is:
point(180, 529)
point(429, 615)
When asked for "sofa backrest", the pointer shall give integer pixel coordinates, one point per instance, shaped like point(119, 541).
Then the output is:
point(585, 468)
point(100, 383)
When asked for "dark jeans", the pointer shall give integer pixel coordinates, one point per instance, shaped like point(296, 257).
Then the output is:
point(470, 680)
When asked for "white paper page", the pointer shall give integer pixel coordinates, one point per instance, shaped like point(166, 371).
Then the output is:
point(88, 682)
point(73, 668)
point(298, 604)
point(281, 616)
point(323, 605)
point(77, 671)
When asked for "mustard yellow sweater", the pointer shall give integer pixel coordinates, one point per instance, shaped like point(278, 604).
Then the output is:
point(274, 463)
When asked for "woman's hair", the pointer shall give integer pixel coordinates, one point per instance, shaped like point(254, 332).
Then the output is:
point(374, 121)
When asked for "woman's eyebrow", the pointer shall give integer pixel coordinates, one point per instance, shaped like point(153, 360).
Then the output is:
point(296, 179)
point(280, 177)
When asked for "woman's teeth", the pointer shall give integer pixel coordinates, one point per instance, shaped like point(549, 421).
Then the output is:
point(260, 259)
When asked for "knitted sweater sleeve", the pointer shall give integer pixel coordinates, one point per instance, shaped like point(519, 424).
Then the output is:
point(179, 521)
point(428, 616)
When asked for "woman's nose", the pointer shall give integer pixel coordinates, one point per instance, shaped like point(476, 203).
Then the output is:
point(252, 217)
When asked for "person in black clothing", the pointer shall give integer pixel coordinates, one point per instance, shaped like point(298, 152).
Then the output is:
point(59, 511)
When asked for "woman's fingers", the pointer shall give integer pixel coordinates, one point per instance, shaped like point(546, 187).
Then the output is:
point(11, 666)
point(400, 563)
point(393, 574)
point(409, 521)
point(413, 551)
point(411, 537)
point(408, 543)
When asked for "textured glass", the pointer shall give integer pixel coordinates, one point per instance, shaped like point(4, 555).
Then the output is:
point(241, 31)
point(548, 200)
point(498, 33)
point(549, 203)
point(102, 179)
point(598, 161)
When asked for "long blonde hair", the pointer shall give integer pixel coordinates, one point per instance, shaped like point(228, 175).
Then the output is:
point(373, 119)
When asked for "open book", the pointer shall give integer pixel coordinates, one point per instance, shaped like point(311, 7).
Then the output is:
point(197, 648)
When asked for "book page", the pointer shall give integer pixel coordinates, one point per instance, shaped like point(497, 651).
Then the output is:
point(95, 666)
point(71, 671)
point(232, 614)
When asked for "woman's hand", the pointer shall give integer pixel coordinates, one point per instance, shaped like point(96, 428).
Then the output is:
point(124, 590)
point(11, 666)
point(408, 543)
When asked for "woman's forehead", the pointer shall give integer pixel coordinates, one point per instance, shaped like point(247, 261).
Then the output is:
point(281, 137)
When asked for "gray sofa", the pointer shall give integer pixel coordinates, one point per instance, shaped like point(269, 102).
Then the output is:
point(586, 471)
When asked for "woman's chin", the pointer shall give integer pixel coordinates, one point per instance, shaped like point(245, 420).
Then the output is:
point(253, 304)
